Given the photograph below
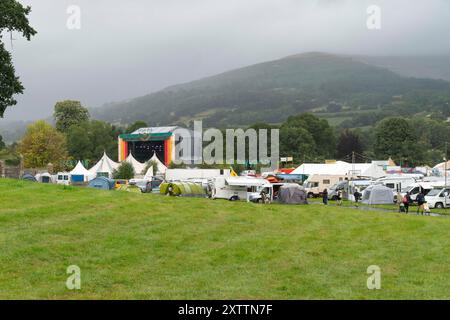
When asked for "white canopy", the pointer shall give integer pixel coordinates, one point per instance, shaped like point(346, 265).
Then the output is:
point(104, 165)
point(161, 167)
point(80, 170)
point(341, 168)
point(137, 166)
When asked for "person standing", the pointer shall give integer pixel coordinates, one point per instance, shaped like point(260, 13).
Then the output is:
point(420, 202)
point(325, 197)
point(406, 201)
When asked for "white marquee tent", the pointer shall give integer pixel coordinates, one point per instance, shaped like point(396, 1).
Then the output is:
point(138, 167)
point(80, 173)
point(341, 168)
point(104, 167)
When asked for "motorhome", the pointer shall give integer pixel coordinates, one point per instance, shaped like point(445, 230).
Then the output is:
point(316, 183)
point(438, 198)
point(240, 188)
point(397, 182)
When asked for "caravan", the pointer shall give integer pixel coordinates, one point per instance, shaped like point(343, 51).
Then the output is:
point(397, 182)
point(316, 183)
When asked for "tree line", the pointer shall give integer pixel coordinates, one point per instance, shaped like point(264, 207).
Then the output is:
point(306, 137)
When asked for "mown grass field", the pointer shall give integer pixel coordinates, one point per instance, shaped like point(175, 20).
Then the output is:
point(135, 246)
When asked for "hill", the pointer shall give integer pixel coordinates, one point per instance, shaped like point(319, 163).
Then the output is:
point(433, 67)
point(272, 91)
point(141, 246)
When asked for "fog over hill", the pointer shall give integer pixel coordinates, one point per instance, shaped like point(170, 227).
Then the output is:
point(273, 90)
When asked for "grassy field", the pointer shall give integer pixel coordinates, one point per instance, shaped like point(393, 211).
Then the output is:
point(135, 246)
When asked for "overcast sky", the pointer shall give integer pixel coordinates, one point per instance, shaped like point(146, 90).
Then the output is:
point(126, 49)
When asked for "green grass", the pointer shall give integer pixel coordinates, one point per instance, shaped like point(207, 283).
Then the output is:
point(391, 207)
point(138, 246)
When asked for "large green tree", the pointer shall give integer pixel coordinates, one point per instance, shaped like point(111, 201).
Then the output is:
point(322, 134)
point(396, 138)
point(43, 144)
point(88, 140)
point(68, 113)
point(13, 17)
point(348, 142)
point(298, 143)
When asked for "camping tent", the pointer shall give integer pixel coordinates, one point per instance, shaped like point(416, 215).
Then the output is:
point(45, 178)
point(292, 193)
point(80, 174)
point(104, 167)
point(137, 166)
point(29, 177)
point(440, 168)
point(102, 183)
point(182, 189)
point(378, 194)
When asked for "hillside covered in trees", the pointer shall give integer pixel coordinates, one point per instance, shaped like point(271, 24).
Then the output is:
point(346, 88)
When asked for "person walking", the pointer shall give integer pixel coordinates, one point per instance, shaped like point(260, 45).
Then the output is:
point(420, 202)
point(339, 198)
point(357, 196)
point(325, 197)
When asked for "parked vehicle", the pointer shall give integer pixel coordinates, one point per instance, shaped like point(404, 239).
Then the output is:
point(316, 183)
point(63, 178)
point(141, 183)
point(397, 182)
point(119, 183)
point(416, 188)
point(241, 188)
point(438, 198)
point(154, 185)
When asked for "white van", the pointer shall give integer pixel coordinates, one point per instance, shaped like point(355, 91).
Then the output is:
point(63, 178)
point(438, 198)
point(316, 183)
point(416, 188)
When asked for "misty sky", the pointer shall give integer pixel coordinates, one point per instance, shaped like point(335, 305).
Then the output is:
point(130, 48)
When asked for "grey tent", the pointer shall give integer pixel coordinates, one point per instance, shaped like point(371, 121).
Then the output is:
point(29, 177)
point(378, 194)
point(101, 183)
point(292, 194)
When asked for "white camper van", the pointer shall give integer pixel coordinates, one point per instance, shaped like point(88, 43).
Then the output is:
point(438, 198)
point(415, 188)
point(316, 183)
point(240, 188)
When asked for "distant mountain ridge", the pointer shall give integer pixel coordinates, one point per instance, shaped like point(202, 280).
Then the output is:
point(271, 91)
